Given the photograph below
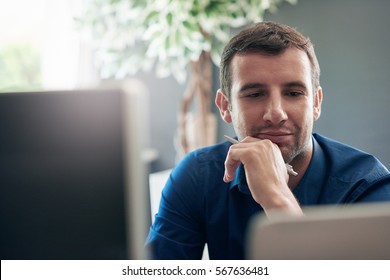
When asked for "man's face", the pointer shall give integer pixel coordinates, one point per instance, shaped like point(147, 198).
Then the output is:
point(272, 98)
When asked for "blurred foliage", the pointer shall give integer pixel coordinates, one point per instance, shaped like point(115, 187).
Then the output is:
point(133, 35)
point(20, 68)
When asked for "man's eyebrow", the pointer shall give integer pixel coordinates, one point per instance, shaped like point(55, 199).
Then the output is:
point(252, 86)
point(295, 84)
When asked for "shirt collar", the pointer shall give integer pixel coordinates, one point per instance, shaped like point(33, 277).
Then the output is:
point(308, 189)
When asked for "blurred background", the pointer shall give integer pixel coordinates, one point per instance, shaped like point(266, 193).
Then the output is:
point(40, 48)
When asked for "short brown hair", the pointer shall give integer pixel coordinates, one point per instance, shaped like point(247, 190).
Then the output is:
point(269, 38)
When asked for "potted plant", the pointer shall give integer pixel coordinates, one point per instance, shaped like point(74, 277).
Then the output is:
point(174, 37)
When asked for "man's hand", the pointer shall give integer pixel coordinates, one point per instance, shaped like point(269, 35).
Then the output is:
point(265, 171)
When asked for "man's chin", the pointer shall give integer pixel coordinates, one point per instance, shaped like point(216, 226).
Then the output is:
point(287, 153)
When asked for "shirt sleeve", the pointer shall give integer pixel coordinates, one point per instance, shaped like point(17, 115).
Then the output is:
point(177, 232)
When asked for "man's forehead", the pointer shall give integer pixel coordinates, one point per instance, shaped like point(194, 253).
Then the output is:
point(292, 62)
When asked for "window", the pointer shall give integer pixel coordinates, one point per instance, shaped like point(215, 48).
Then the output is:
point(41, 48)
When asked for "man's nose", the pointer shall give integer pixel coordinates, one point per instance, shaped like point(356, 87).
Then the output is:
point(275, 113)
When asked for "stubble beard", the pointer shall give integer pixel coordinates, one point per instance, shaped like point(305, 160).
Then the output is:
point(296, 152)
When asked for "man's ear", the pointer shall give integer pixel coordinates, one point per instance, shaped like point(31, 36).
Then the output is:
point(317, 104)
point(222, 102)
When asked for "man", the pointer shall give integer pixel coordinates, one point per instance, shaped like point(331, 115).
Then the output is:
point(270, 92)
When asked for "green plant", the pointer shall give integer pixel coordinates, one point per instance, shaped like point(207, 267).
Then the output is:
point(168, 34)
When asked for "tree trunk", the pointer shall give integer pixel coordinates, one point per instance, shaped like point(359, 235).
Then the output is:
point(197, 129)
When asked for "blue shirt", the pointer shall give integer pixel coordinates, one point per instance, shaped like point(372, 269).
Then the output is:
point(197, 207)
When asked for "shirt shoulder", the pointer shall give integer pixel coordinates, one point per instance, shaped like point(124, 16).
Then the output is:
point(214, 153)
point(347, 162)
point(352, 174)
point(201, 169)
point(206, 159)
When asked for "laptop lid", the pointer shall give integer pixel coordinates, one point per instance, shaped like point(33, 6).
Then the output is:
point(360, 231)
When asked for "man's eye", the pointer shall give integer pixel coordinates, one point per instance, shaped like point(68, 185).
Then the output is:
point(254, 94)
point(294, 93)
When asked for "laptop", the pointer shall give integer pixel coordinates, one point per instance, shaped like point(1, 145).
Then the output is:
point(73, 184)
point(354, 232)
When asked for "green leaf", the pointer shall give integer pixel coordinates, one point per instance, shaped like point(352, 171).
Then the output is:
point(169, 18)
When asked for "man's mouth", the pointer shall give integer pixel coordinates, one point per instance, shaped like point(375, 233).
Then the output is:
point(276, 136)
